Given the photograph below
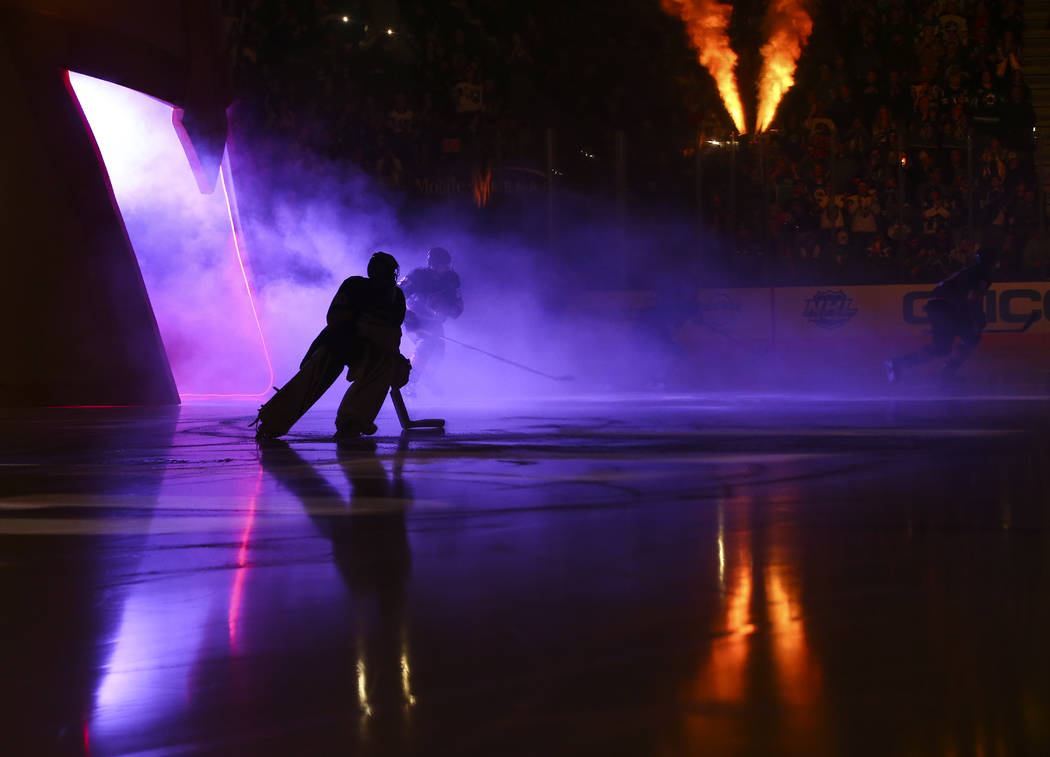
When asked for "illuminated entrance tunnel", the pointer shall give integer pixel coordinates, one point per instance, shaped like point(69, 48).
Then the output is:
point(186, 243)
point(76, 326)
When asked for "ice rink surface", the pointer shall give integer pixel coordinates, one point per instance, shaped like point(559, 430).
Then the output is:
point(610, 575)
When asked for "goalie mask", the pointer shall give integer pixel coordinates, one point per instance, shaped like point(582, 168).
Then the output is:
point(383, 267)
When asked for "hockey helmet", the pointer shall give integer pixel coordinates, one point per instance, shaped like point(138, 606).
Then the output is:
point(383, 267)
point(438, 256)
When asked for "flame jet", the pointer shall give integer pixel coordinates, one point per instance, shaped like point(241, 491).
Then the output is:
point(790, 26)
point(707, 23)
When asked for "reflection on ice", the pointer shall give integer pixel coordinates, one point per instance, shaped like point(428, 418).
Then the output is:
point(759, 655)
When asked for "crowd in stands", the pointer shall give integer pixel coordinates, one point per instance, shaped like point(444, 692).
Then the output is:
point(907, 142)
point(404, 95)
point(909, 145)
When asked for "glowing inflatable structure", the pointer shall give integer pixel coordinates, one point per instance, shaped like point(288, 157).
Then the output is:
point(76, 326)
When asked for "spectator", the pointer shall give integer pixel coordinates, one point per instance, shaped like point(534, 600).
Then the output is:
point(985, 102)
point(458, 83)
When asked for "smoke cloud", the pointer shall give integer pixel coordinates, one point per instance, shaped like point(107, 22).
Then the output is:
point(319, 222)
point(612, 301)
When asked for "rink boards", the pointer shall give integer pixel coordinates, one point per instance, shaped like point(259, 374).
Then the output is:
point(829, 333)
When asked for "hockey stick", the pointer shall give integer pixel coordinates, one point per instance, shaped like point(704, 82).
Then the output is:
point(402, 413)
point(565, 377)
point(1032, 318)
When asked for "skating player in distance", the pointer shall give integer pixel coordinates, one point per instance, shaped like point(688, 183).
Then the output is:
point(957, 319)
point(433, 295)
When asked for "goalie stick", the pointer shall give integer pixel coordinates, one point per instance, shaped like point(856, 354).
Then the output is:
point(402, 414)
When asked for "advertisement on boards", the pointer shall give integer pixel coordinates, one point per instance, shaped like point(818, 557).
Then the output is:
point(818, 333)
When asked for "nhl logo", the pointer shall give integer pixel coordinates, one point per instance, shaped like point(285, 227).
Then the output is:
point(719, 310)
point(829, 309)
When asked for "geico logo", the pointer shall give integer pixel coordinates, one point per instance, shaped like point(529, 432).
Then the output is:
point(1008, 306)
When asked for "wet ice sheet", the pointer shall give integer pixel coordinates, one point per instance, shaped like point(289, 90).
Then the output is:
point(628, 574)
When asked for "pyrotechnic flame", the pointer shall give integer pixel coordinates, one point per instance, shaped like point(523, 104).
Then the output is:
point(482, 187)
point(790, 27)
point(707, 22)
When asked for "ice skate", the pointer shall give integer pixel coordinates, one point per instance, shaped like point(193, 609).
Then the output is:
point(354, 430)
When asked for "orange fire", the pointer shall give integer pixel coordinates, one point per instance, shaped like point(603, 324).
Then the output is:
point(707, 23)
point(482, 187)
point(790, 27)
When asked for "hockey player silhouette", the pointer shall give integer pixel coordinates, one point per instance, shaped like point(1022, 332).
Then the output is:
point(433, 296)
point(363, 333)
point(956, 313)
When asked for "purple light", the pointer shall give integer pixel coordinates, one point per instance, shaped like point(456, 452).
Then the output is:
point(237, 593)
point(195, 277)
